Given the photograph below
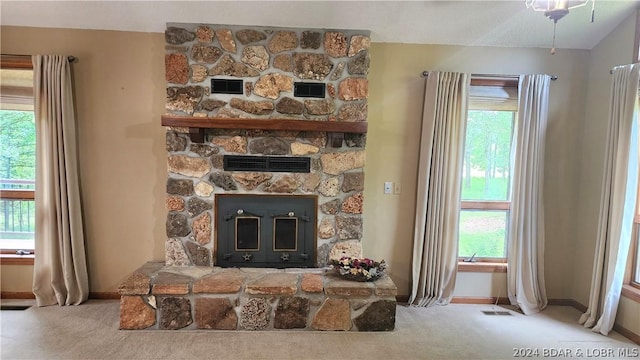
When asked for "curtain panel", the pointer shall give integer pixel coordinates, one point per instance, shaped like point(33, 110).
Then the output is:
point(617, 201)
point(435, 244)
point(60, 268)
point(525, 248)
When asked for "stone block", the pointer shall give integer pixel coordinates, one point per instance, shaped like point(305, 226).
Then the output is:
point(225, 38)
point(182, 187)
point(188, 166)
point(176, 68)
point(385, 287)
point(229, 67)
point(174, 203)
point(337, 163)
point(310, 40)
point(136, 284)
point(175, 255)
point(349, 248)
point(358, 43)
point(255, 314)
point(311, 66)
point(283, 41)
point(200, 256)
point(269, 146)
point(135, 313)
point(338, 286)
point(274, 284)
point(251, 180)
point(256, 56)
point(225, 281)
point(202, 229)
point(167, 283)
point(353, 181)
point(291, 313)
point(252, 107)
point(312, 283)
point(353, 89)
point(215, 314)
point(205, 54)
point(335, 44)
point(353, 204)
point(349, 227)
point(177, 225)
point(334, 314)
point(235, 144)
point(379, 316)
point(284, 184)
point(248, 36)
point(175, 313)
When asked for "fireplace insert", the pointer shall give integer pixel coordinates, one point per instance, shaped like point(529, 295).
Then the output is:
point(266, 230)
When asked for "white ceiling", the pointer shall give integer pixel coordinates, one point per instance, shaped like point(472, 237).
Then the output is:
point(477, 23)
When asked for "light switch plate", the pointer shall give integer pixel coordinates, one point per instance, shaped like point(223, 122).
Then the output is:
point(388, 187)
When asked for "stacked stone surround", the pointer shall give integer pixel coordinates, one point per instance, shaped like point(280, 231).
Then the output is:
point(212, 298)
point(269, 60)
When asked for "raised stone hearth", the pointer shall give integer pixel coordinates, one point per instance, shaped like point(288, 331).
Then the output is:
point(201, 297)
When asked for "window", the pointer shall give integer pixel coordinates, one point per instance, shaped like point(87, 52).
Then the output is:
point(634, 255)
point(17, 158)
point(633, 272)
point(486, 178)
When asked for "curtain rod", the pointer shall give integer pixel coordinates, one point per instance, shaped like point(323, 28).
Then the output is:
point(71, 58)
point(553, 77)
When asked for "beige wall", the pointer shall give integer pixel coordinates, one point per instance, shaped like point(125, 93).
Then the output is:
point(16, 278)
point(395, 109)
point(120, 90)
point(120, 86)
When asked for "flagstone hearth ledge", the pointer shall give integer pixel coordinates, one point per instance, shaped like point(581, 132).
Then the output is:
point(162, 297)
point(197, 125)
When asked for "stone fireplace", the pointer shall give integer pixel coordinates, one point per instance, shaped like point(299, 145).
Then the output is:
point(266, 132)
point(239, 75)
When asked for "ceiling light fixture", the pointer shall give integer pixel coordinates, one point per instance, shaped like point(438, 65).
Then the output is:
point(556, 10)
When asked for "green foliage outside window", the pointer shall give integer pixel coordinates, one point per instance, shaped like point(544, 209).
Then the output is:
point(486, 177)
point(17, 145)
point(17, 171)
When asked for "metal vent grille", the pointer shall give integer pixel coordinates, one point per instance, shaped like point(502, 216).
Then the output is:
point(267, 163)
point(226, 86)
point(305, 89)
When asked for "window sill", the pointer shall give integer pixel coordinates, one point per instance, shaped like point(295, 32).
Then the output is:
point(631, 292)
point(12, 259)
point(482, 267)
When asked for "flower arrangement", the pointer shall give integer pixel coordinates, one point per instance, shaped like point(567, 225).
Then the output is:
point(358, 269)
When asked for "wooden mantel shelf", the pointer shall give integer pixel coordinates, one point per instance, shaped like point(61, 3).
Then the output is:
point(196, 126)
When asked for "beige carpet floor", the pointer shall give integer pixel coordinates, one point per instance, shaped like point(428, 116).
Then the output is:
point(90, 331)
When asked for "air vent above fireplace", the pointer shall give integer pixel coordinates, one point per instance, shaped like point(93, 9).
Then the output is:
point(306, 89)
point(226, 86)
point(267, 163)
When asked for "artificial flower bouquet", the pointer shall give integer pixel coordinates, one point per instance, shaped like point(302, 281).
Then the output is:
point(359, 269)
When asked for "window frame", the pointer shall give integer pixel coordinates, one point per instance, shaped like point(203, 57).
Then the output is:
point(10, 256)
point(630, 287)
point(488, 264)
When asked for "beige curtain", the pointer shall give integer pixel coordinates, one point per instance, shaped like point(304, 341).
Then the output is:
point(60, 270)
point(435, 243)
point(525, 248)
point(618, 201)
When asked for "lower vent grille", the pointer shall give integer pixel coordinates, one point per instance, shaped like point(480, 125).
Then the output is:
point(267, 163)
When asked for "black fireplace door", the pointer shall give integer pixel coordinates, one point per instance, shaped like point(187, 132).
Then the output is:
point(266, 231)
